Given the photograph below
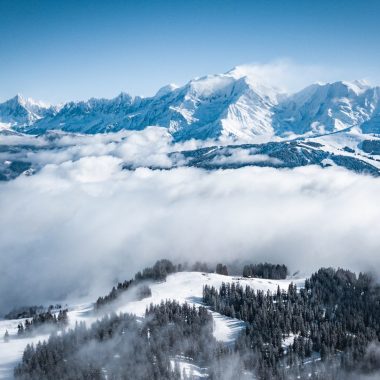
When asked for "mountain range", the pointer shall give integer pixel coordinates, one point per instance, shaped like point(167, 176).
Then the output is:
point(233, 106)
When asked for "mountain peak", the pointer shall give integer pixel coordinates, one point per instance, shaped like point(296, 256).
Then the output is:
point(166, 90)
point(241, 71)
point(123, 97)
point(358, 86)
point(19, 98)
point(21, 111)
point(28, 102)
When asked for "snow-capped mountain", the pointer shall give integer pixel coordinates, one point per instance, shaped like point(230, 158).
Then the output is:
point(326, 108)
point(92, 116)
point(21, 112)
point(208, 107)
point(231, 105)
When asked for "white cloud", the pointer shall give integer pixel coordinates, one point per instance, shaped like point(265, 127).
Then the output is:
point(82, 222)
point(289, 75)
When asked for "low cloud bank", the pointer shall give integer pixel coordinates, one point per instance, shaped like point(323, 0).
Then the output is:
point(82, 222)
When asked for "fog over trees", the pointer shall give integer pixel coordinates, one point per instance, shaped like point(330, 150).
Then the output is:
point(120, 347)
point(331, 326)
point(85, 173)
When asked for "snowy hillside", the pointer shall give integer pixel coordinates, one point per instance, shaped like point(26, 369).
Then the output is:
point(235, 105)
point(168, 323)
point(354, 151)
point(182, 287)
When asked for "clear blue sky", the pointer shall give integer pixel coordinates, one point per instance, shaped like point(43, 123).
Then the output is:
point(61, 50)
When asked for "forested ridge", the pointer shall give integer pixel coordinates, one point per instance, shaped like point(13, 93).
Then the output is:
point(336, 315)
point(266, 270)
point(120, 347)
point(332, 329)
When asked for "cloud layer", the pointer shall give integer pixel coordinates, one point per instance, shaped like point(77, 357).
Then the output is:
point(82, 222)
point(289, 75)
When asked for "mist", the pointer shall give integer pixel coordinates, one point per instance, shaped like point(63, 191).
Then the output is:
point(82, 222)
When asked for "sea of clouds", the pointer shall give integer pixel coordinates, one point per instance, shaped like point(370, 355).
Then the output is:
point(82, 222)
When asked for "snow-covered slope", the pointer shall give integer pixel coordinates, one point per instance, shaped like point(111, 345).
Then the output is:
point(188, 286)
point(352, 150)
point(182, 287)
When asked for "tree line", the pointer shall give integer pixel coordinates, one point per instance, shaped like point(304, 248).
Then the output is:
point(120, 347)
point(30, 311)
point(140, 292)
point(333, 321)
point(265, 270)
point(336, 316)
point(44, 319)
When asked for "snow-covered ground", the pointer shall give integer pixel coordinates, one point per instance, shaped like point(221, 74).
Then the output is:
point(182, 287)
point(11, 351)
point(336, 142)
point(188, 287)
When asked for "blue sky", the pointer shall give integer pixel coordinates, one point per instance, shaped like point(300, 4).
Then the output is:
point(62, 50)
